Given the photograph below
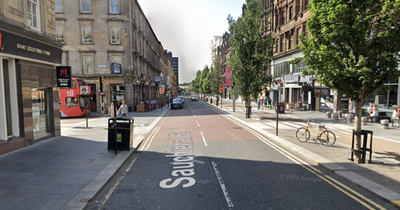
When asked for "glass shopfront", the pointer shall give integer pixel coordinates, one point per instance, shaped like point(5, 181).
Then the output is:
point(40, 112)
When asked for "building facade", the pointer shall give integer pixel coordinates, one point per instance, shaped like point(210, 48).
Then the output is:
point(29, 54)
point(111, 45)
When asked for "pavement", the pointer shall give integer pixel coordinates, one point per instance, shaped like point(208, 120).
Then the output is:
point(67, 172)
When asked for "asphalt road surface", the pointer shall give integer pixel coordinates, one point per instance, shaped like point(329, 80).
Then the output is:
point(197, 158)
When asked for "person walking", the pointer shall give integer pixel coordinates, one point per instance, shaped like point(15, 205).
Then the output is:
point(111, 110)
point(258, 103)
point(123, 109)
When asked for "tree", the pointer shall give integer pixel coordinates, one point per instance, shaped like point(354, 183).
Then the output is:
point(216, 73)
point(252, 52)
point(353, 47)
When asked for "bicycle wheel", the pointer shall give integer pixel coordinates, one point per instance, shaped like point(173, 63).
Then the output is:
point(302, 134)
point(327, 138)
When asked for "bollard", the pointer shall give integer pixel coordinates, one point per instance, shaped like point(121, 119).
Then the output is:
point(335, 116)
point(329, 114)
point(385, 124)
point(364, 120)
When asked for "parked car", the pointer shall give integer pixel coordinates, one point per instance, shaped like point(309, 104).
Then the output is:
point(177, 103)
point(183, 99)
point(194, 98)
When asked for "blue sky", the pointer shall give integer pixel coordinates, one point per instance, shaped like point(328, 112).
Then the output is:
point(186, 28)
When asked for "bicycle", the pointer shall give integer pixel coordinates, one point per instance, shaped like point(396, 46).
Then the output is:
point(325, 136)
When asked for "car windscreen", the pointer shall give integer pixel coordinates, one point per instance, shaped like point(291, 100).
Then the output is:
point(178, 100)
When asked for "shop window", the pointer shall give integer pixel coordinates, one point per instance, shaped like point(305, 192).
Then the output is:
point(40, 111)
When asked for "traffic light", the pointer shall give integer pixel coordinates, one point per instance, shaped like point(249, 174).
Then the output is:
point(102, 79)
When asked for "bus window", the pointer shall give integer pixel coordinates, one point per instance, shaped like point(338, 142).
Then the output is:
point(71, 101)
point(85, 100)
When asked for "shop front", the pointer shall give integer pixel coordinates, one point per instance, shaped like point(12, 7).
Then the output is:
point(28, 92)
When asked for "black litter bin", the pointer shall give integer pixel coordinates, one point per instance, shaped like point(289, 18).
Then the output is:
point(124, 137)
point(280, 108)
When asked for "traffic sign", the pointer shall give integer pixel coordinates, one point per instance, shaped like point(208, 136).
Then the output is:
point(84, 90)
point(221, 88)
point(162, 90)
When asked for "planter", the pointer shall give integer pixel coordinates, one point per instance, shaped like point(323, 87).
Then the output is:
point(140, 108)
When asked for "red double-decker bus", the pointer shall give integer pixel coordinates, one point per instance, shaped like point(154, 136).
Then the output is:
point(72, 102)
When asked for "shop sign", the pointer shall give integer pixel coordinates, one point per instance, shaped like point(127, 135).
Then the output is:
point(64, 76)
point(25, 47)
point(115, 68)
point(292, 78)
point(158, 78)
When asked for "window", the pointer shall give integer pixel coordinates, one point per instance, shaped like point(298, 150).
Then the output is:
point(297, 6)
point(277, 46)
point(86, 6)
point(305, 31)
point(58, 7)
point(298, 36)
point(88, 64)
point(60, 33)
point(290, 13)
point(115, 35)
point(33, 14)
point(290, 41)
point(86, 34)
point(282, 44)
point(116, 59)
point(114, 6)
point(64, 57)
point(73, 101)
point(283, 17)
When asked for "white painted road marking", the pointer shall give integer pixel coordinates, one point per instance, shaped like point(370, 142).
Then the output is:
point(204, 140)
point(221, 183)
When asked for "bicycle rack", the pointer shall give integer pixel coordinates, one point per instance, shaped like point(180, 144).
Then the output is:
point(364, 148)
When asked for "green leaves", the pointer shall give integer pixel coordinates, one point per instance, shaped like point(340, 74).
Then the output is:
point(253, 51)
point(354, 44)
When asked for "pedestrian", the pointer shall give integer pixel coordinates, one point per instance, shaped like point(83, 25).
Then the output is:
point(111, 110)
point(373, 113)
point(123, 109)
point(258, 103)
point(396, 115)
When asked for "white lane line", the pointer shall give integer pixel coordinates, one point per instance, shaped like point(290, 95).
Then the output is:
point(221, 183)
point(204, 140)
point(198, 125)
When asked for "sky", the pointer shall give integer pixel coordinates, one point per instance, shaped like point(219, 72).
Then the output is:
point(186, 28)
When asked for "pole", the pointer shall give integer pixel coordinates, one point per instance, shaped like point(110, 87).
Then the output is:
point(86, 105)
point(277, 110)
point(115, 121)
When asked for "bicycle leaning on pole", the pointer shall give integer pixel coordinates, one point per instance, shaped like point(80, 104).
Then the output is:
point(325, 136)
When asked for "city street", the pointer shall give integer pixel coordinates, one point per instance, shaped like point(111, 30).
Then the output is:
point(197, 158)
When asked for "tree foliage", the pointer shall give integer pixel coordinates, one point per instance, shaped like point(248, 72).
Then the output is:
point(252, 52)
point(217, 72)
point(353, 46)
